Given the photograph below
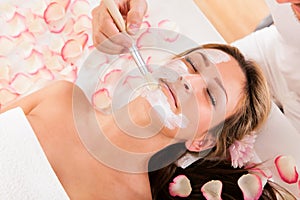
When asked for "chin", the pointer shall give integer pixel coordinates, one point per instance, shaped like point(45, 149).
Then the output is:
point(296, 10)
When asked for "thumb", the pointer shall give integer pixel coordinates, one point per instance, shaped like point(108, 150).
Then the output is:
point(135, 15)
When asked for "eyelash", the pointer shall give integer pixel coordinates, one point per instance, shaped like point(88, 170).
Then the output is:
point(211, 97)
point(191, 64)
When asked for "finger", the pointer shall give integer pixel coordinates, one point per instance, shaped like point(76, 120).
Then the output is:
point(103, 23)
point(98, 18)
point(107, 46)
point(112, 32)
point(138, 9)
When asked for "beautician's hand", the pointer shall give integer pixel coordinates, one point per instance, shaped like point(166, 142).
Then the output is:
point(104, 27)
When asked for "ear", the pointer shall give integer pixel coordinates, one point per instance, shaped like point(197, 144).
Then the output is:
point(201, 144)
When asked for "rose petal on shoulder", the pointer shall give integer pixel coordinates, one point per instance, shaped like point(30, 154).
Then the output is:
point(180, 186)
point(251, 186)
point(212, 190)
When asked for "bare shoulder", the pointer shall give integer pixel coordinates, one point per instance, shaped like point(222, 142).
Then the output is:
point(56, 96)
point(57, 89)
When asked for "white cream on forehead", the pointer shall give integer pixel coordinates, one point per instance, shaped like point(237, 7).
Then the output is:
point(160, 104)
point(216, 56)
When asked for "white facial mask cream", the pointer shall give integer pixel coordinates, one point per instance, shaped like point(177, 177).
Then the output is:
point(160, 104)
point(216, 56)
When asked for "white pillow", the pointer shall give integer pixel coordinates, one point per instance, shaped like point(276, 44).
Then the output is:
point(278, 137)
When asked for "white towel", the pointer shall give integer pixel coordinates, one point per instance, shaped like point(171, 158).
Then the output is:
point(25, 172)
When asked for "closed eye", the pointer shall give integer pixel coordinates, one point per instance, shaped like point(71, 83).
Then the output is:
point(212, 98)
point(191, 64)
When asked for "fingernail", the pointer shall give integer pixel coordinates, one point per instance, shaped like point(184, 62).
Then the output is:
point(133, 29)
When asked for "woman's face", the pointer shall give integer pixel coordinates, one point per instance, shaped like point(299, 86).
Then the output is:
point(206, 90)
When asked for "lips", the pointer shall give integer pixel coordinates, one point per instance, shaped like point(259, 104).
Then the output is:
point(169, 93)
point(296, 8)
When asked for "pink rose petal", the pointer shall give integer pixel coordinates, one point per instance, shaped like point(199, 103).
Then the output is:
point(212, 190)
point(180, 186)
point(264, 174)
point(4, 71)
point(145, 25)
point(145, 39)
point(54, 62)
point(57, 26)
point(43, 74)
point(15, 26)
point(133, 81)
point(287, 169)
point(101, 99)
point(24, 49)
point(38, 8)
point(112, 77)
point(71, 50)
point(33, 63)
point(169, 25)
point(82, 24)
point(54, 17)
point(54, 12)
point(5, 68)
point(251, 186)
point(21, 83)
point(80, 7)
point(57, 44)
point(25, 44)
point(36, 25)
point(262, 171)
point(7, 11)
point(68, 27)
point(6, 45)
point(69, 73)
point(64, 3)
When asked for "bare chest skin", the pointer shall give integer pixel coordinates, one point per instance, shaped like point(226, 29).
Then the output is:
point(82, 176)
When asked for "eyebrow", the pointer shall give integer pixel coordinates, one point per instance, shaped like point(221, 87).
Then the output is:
point(221, 86)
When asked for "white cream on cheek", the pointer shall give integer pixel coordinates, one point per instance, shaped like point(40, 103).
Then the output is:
point(160, 104)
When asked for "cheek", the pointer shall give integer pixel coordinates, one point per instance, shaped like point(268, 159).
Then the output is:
point(205, 119)
point(198, 118)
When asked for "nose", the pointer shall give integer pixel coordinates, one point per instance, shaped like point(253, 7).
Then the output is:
point(192, 82)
